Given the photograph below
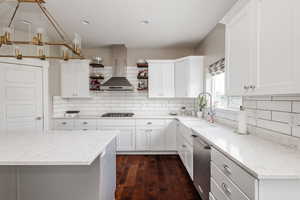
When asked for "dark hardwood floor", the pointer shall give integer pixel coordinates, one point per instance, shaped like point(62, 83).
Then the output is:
point(153, 178)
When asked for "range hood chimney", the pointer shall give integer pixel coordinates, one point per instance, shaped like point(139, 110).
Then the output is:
point(119, 81)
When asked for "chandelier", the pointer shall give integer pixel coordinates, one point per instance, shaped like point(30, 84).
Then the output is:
point(70, 50)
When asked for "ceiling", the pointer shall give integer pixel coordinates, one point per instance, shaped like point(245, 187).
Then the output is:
point(171, 22)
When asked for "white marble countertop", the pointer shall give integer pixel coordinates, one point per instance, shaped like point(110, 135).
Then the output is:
point(260, 157)
point(53, 148)
point(134, 117)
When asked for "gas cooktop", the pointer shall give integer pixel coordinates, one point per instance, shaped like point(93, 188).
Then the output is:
point(118, 115)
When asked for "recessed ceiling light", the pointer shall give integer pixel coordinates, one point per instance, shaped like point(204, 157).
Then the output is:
point(85, 22)
point(145, 22)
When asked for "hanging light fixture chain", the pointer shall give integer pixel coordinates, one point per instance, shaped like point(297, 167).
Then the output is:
point(15, 12)
point(51, 21)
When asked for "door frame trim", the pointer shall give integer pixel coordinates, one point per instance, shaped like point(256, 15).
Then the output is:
point(44, 65)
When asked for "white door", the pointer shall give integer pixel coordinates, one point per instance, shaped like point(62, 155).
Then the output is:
point(157, 140)
point(82, 79)
point(161, 79)
point(170, 134)
point(21, 98)
point(182, 78)
point(142, 140)
point(275, 73)
point(240, 51)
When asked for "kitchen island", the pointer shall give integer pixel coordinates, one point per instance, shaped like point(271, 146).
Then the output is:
point(58, 165)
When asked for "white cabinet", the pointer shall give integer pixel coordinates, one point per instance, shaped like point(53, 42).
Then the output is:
point(262, 48)
point(75, 124)
point(75, 79)
point(170, 135)
point(126, 128)
point(189, 76)
point(161, 79)
point(185, 148)
point(240, 50)
point(150, 140)
point(277, 31)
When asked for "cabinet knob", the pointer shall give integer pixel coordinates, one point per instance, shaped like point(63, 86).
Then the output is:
point(39, 118)
point(64, 123)
point(252, 87)
point(85, 123)
point(227, 169)
point(149, 123)
point(246, 87)
point(226, 189)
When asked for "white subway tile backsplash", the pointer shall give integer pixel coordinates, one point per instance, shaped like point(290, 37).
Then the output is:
point(275, 105)
point(274, 126)
point(296, 131)
point(281, 116)
point(250, 104)
point(296, 107)
point(263, 114)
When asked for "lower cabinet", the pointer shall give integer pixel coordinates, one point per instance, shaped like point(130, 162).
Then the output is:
point(185, 150)
point(153, 135)
point(150, 140)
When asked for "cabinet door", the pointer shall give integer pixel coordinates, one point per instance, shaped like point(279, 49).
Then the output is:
point(182, 69)
point(82, 79)
point(75, 79)
point(142, 140)
point(275, 73)
point(240, 49)
point(189, 159)
point(125, 138)
point(67, 80)
point(157, 140)
point(161, 79)
point(170, 135)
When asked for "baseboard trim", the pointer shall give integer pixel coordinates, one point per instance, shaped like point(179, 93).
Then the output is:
point(147, 153)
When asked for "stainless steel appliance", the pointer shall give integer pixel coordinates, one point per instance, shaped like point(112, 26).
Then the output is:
point(201, 166)
point(119, 81)
point(118, 115)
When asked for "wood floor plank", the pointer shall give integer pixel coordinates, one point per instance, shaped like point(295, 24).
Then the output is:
point(141, 177)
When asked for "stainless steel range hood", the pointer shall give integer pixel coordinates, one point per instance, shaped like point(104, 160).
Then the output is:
point(119, 81)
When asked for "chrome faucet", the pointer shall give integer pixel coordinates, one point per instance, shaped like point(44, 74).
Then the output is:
point(211, 112)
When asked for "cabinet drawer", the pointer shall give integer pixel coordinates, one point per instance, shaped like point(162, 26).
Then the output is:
point(226, 185)
point(64, 124)
point(116, 122)
point(216, 191)
point(186, 133)
point(82, 124)
point(240, 177)
point(150, 122)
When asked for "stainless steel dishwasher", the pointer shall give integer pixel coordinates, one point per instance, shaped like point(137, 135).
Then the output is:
point(201, 156)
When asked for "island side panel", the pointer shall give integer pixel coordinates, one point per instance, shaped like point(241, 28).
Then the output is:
point(59, 182)
point(94, 182)
point(8, 183)
point(279, 189)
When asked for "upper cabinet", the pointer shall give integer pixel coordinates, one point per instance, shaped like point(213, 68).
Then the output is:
point(262, 44)
point(161, 79)
point(240, 50)
point(181, 78)
point(188, 77)
point(75, 79)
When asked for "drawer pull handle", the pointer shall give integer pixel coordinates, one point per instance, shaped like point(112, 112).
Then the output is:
point(149, 123)
point(226, 189)
point(85, 123)
point(227, 169)
point(64, 123)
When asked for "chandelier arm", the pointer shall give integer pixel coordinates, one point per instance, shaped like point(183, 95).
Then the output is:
point(14, 14)
point(51, 21)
